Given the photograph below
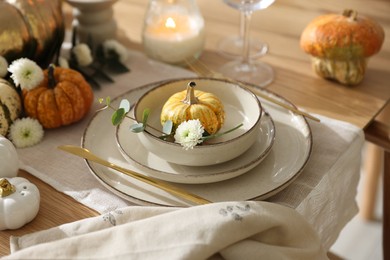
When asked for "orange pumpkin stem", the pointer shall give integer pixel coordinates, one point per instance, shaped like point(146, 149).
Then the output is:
point(190, 97)
point(352, 14)
point(50, 76)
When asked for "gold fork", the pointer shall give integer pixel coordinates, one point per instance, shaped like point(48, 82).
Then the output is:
point(203, 70)
point(86, 154)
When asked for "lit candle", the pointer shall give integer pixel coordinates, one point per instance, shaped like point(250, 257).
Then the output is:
point(173, 37)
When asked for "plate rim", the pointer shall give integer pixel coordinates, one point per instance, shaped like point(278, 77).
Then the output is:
point(263, 196)
point(232, 171)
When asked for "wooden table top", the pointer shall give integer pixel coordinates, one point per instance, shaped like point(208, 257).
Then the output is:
point(280, 26)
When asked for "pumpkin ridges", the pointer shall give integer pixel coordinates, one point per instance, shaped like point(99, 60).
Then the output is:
point(10, 99)
point(75, 97)
point(31, 101)
point(64, 106)
point(47, 110)
point(80, 83)
point(207, 108)
point(87, 93)
point(4, 123)
point(66, 103)
point(173, 112)
point(319, 35)
point(340, 45)
point(211, 125)
point(210, 100)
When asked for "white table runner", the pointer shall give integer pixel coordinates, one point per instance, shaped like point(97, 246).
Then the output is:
point(324, 193)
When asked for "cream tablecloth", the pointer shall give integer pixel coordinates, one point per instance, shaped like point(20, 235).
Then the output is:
point(324, 194)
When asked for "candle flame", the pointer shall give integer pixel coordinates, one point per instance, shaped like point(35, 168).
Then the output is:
point(170, 23)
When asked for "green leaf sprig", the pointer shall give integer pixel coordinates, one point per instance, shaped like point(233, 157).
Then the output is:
point(122, 111)
point(206, 137)
point(167, 132)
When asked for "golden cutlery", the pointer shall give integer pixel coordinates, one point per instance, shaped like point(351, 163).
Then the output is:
point(203, 70)
point(86, 154)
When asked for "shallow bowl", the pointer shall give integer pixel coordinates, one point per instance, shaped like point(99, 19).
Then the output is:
point(240, 105)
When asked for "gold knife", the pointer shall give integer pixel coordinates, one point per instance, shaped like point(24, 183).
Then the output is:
point(86, 154)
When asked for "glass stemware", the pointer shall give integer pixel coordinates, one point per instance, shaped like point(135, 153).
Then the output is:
point(246, 69)
point(231, 46)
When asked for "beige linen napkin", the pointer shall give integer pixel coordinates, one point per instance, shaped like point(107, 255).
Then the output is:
point(227, 230)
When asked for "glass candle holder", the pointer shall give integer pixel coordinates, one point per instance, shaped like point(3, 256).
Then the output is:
point(173, 31)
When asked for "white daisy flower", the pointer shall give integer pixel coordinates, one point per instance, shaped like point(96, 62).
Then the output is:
point(26, 73)
point(3, 67)
point(63, 63)
point(113, 46)
point(189, 133)
point(26, 132)
point(83, 54)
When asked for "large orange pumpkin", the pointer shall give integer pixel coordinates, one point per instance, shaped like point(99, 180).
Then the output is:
point(64, 97)
point(31, 29)
point(340, 45)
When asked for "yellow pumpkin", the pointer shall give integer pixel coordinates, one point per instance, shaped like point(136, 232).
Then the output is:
point(194, 104)
point(340, 45)
point(10, 106)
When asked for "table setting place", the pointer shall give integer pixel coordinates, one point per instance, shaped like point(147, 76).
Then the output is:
point(180, 161)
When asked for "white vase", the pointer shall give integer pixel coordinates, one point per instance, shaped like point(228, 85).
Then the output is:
point(94, 20)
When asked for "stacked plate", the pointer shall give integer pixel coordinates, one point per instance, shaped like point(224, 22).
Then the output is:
point(277, 157)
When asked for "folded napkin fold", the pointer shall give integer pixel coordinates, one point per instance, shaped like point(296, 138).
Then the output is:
point(226, 230)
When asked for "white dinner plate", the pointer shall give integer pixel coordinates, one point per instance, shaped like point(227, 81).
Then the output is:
point(146, 162)
point(286, 160)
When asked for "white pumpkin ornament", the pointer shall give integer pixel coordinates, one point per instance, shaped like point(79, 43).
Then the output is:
point(9, 159)
point(19, 202)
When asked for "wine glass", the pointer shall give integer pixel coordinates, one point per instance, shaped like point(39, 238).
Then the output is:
point(245, 69)
point(231, 46)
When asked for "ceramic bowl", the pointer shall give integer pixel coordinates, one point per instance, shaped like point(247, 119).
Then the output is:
point(240, 105)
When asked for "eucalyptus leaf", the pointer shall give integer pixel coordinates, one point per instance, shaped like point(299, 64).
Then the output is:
point(125, 104)
point(167, 127)
point(118, 116)
point(145, 115)
point(137, 128)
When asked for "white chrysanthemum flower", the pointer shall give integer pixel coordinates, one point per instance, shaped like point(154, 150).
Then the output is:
point(3, 67)
point(26, 132)
point(189, 133)
point(112, 45)
point(63, 63)
point(83, 54)
point(26, 73)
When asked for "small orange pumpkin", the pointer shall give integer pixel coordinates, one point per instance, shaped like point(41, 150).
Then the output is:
point(64, 97)
point(194, 104)
point(340, 45)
